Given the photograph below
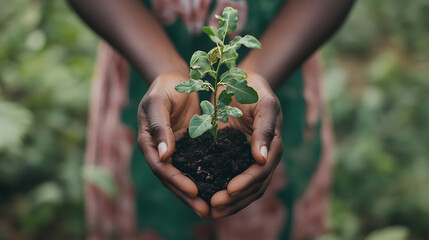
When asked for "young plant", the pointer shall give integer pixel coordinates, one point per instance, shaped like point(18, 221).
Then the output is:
point(234, 79)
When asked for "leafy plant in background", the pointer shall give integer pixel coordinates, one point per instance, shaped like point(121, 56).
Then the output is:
point(234, 79)
point(377, 81)
point(46, 61)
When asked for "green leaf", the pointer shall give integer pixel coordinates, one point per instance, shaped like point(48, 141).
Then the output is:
point(101, 178)
point(213, 55)
point(219, 17)
point(225, 111)
point(389, 233)
point(213, 130)
point(224, 99)
point(195, 74)
point(243, 93)
point(248, 41)
point(229, 58)
point(207, 108)
point(233, 73)
point(200, 65)
point(212, 32)
point(234, 43)
point(193, 85)
point(233, 111)
point(222, 116)
point(199, 124)
point(228, 22)
point(15, 122)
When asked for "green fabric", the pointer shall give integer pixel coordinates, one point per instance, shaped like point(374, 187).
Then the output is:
point(157, 208)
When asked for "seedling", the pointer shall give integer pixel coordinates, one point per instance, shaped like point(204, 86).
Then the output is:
point(234, 79)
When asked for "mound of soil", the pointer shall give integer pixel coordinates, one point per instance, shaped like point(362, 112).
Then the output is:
point(212, 165)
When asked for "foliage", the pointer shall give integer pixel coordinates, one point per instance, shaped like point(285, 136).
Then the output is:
point(234, 79)
point(377, 79)
point(46, 61)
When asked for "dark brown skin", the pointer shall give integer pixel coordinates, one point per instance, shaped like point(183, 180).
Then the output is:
point(262, 124)
point(299, 29)
point(130, 28)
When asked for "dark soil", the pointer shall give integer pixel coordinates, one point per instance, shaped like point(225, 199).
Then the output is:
point(211, 166)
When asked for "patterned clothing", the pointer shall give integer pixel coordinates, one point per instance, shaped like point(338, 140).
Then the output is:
point(294, 205)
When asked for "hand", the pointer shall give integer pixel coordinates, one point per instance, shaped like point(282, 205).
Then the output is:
point(262, 124)
point(163, 117)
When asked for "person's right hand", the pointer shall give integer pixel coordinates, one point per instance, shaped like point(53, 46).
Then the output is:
point(163, 117)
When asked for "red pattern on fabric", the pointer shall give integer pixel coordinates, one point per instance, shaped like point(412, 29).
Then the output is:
point(109, 146)
point(194, 13)
point(240, 5)
point(311, 210)
point(312, 77)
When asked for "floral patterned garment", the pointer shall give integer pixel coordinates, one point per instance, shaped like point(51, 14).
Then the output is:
point(294, 205)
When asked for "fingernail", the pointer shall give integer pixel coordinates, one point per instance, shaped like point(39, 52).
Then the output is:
point(162, 149)
point(264, 152)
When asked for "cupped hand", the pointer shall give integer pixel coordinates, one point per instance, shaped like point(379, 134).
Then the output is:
point(262, 124)
point(163, 117)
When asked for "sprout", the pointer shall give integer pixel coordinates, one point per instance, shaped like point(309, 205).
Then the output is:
point(234, 79)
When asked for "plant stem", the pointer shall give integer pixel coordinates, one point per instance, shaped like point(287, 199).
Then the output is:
point(215, 88)
point(215, 98)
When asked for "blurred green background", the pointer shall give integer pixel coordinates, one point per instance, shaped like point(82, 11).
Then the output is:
point(377, 72)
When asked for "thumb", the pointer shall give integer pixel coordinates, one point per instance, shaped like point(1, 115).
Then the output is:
point(264, 126)
point(157, 114)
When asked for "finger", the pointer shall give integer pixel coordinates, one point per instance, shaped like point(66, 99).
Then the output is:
point(156, 109)
point(163, 170)
point(220, 212)
point(264, 126)
point(222, 198)
point(168, 173)
point(254, 174)
point(257, 173)
point(196, 203)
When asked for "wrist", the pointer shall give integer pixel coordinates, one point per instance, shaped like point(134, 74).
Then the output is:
point(173, 77)
point(178, 69)
point(252, 68)
point(181, 70)
point(254, 78)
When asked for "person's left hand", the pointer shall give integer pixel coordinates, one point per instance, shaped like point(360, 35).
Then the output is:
point(262, 124)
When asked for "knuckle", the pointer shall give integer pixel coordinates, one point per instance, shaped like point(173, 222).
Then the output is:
point(278, 134)
point(156, 169)
point(155, 130)
point(171, 178)
point(272, 102)
point(149, 99)
point(269, 131)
